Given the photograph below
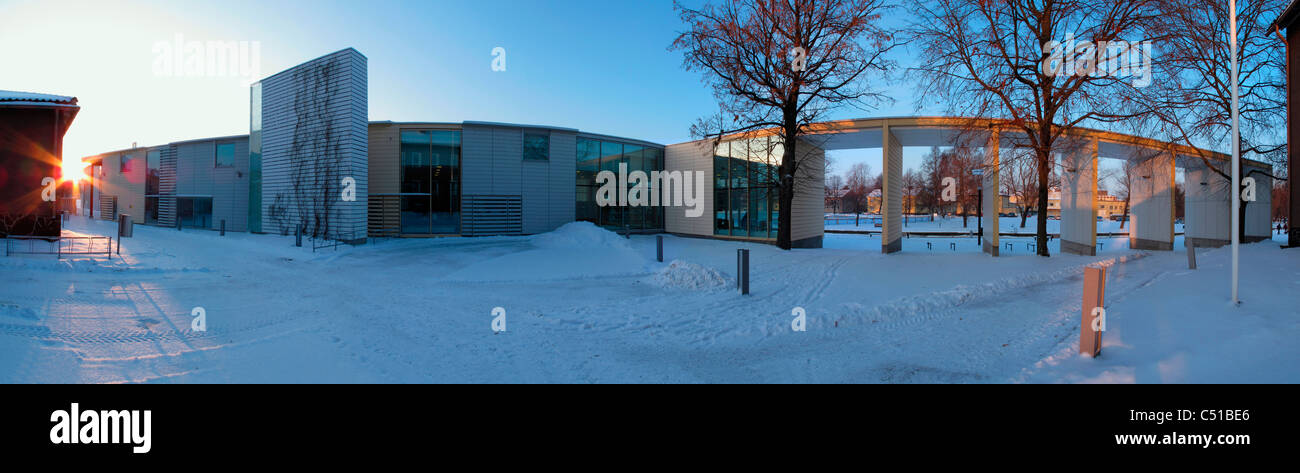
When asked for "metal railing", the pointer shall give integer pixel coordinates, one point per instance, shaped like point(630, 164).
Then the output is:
point(59, 246)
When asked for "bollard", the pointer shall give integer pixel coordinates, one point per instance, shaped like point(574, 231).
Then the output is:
point(178, 223)
point(929, 246)
point(297, 236)
point(952, 246)
point(1191, 255)
point(223, 227)
point(742, 271)
point(659, 248)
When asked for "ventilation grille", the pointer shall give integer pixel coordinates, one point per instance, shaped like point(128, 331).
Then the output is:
point(486, 215)
point(108, 207)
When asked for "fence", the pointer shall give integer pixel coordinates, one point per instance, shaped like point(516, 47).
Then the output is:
point(59, 246)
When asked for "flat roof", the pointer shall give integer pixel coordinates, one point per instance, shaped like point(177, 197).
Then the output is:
point(97, 157)
point(522, 125)
point(32, 99)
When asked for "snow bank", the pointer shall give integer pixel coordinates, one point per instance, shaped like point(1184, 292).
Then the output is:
point(578, 250)
point(580, 236)
point(686, 275)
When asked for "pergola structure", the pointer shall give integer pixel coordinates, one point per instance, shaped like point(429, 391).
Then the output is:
point(1152, 194)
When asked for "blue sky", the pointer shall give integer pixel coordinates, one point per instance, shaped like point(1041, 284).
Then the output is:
point(599, 66)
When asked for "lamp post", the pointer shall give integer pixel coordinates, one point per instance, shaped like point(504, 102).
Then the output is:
point(1236, 150)
point(979, 208)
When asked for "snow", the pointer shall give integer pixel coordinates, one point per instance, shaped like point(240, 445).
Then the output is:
point(687, 275)
point(586, 305)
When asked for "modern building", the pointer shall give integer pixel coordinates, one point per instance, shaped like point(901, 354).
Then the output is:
point(31, 162)
point(312, 163)
point(194, 184)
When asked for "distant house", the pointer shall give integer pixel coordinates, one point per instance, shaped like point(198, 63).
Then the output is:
point(31, 161)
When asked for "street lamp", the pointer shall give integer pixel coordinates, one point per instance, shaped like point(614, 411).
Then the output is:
point(979, 209)
point(1236, 150)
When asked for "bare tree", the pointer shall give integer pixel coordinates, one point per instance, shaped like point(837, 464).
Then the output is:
point(1123, 180)
point(783, 65)
point(1192, 103)
point(1019, 179)
point(997, 59)
point(859, 182)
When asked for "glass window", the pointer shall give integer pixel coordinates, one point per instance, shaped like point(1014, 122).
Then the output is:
point(151, 210)
point(126, 163)
point(153, 163)
point(194, 212)
point(654, 161)
point(225, 155)
point(745, 194)
point(611, 154)
point(537, 146)
point(588, 164)
point(430, 182)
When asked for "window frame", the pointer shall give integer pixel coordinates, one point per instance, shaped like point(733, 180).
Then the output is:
point(545, 150)
point(216, 155)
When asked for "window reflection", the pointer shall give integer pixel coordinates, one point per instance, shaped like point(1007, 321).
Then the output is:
point(430, 182)
point(594, 156)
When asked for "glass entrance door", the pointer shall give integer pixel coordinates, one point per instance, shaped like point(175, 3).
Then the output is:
point(430, 182)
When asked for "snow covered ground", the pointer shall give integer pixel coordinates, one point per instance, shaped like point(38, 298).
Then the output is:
point(583, 305)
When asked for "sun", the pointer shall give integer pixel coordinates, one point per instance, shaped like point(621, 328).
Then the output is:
point(73, 170)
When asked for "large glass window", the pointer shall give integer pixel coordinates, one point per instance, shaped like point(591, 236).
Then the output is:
point(153, 164)
point(537, 146)
point(430, 182)
point(588, 164)
point(225, 155)
point(194, 212)
point(744, 189)
point(594, 156)
point(611, 154)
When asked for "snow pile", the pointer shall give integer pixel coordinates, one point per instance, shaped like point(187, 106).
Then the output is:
point(686, 275)
point(578, 250)
point(579, 236)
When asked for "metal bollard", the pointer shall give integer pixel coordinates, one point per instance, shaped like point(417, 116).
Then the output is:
point(742, 270)
point(659, 248)
point(1191, 255)
point(178, 223)
point(297, 236)
point(223, 227)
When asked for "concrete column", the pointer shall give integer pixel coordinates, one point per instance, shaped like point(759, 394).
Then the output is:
point(891, 229)
point(1208, 206)
point(1153, 204)
point(1079, 200)
point(1259, 214)
point(991, 185)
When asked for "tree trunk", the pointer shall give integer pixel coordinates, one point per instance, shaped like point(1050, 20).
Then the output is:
point(1124, 219)
point(1043, 173)
point(1023, 216)
point(786, 170)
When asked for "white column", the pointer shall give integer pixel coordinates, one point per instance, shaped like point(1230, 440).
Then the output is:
point(1079, 200)
point(891, 229)
point(1207, 213)
point(1153, 204)
point(991, 185)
